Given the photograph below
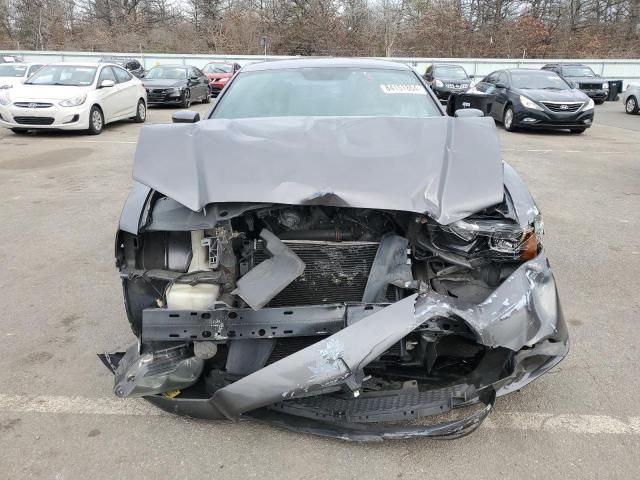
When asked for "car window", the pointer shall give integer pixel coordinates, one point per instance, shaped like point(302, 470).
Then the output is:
point(167, 73)
point(33, 69)
point(326, 92)
point(538, 79)
point(502, 78)
point(107, 74)
point(12, 70)
point(491, 78)
point(67, 75)
point(122, 75)
point(577, 71)
point(452, 72)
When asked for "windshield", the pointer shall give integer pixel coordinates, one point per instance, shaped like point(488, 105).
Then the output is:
point(166, 73)
point(218, 68)
point(323, 91)
point(12, 70)
point(538, 79)
point(577, 71)
point(453, 72)
point(68, 75)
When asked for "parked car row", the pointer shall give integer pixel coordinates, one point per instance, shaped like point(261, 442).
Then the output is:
point(73, 96)
point(559, 96)
point(87, 96)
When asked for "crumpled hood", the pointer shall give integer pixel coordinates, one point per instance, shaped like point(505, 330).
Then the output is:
point(446, 167)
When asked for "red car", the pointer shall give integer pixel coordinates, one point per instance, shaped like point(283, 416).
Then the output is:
point(219, 74)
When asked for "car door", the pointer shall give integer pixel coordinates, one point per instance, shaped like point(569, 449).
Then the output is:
point(108, 96)
point(127, 92)
point(502, 95)
point(203, 83)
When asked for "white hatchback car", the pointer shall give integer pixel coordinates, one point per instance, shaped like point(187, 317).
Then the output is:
point(14, 74)
point(73, 96)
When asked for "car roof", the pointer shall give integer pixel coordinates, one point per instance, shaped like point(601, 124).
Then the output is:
point(77, 64)
point(176, 65)
point(325, 63)
point(446, 65)
point(525, 70)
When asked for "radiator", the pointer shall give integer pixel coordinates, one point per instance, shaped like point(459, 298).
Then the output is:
point(335, 272)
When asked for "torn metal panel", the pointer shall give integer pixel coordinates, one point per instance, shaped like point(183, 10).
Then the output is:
point(523, 311)
point(328, 363)
point(389, 267)
point(410, 164)
point(270, 277)
point(133, 208)
point(167, 214)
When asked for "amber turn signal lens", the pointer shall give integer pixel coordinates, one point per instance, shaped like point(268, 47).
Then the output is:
point(530, 245)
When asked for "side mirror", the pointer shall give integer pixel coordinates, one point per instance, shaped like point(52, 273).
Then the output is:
point(469, 113)
point(185, 116)
point(500, 85)
point(573, 84)
point(193, 77)
point(107, 84)
point(142, 74)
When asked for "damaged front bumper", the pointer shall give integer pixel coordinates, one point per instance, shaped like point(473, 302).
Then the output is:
point(324, 388)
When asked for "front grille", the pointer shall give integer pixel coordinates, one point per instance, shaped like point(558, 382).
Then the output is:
point(591, 86)
point(34, 120)
point(563, 107)
point(33, 104)
point(287, 346)
point(335, 272)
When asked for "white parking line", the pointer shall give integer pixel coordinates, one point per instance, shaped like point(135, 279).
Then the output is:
point(68, 140)
point(541, 422)
point(564, 151)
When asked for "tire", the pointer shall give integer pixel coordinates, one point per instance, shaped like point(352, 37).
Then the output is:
point(20, 131)
point(141, 112)
point(599, 101)
point(96, 121)
point(578, 131)
point(507, 120)
point(207, 97)
point(186, 99)
point(631, 105)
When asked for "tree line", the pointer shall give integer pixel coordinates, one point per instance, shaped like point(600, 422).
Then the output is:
point(416, 28)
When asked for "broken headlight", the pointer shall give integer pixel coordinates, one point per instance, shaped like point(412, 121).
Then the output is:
point(491, 237)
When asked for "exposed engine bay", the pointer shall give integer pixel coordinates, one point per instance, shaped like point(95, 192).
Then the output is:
point(225, 296)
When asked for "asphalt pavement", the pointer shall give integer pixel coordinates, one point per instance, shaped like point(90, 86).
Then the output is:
point(61, 198)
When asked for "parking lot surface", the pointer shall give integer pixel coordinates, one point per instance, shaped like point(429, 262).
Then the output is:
point(61, 199)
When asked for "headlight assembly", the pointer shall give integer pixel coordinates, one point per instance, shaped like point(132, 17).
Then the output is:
point(528, 103)
point(495, 238)
point(73, 102)
point(589, 106)
point(605, 86)
point(438, 83)
point(4, 98)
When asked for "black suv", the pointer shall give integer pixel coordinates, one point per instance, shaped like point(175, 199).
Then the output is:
point(583, 78)
point(133, 66)
point(446, 79)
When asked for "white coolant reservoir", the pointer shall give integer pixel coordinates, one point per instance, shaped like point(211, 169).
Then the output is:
point(202, 296)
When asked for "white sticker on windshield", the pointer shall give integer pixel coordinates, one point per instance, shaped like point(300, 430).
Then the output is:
point(390, 88)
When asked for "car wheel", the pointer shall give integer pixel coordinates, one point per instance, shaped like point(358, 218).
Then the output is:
point(507, 120)
point(20, 131)
point(207, 97)
point(631, 105)
point(578, 130)
point(599, 101)
point(96, 121)
point(186, 99)
point(141, 112)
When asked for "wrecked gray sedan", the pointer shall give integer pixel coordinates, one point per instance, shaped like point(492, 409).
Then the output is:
point(329, 252)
